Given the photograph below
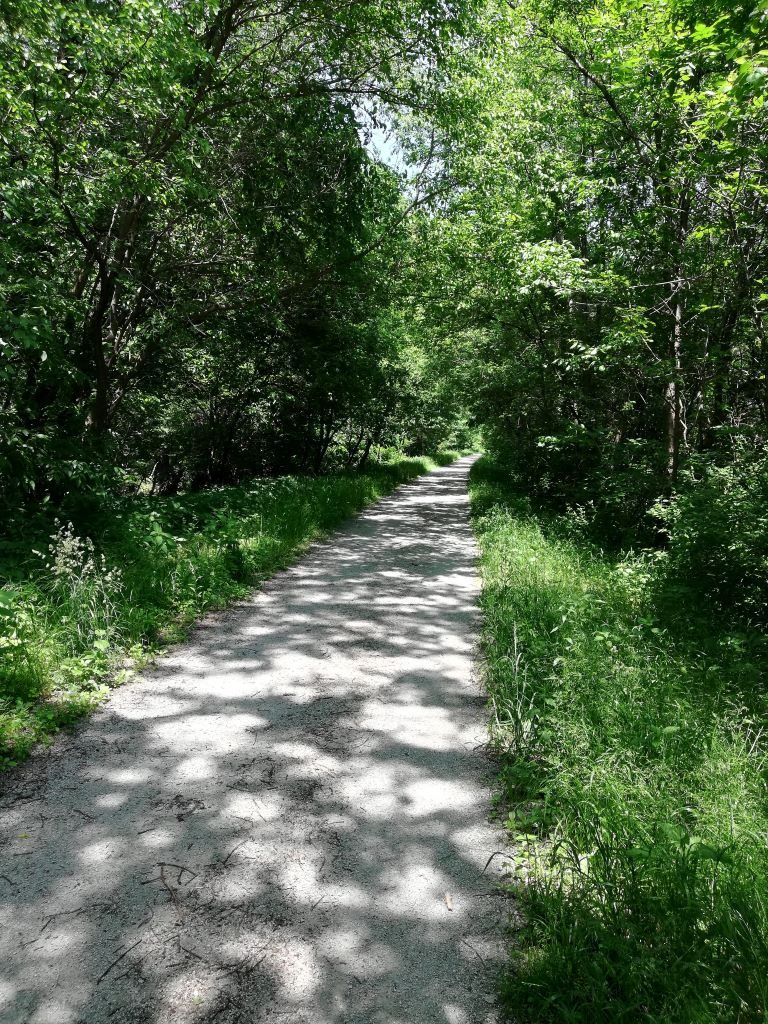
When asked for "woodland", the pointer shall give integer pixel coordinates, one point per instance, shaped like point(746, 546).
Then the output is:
point(261, 261)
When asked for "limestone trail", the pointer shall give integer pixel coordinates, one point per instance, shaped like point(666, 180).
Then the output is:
point(287, 819)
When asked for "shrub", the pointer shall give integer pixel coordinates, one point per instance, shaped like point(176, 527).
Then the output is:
point(717, 532)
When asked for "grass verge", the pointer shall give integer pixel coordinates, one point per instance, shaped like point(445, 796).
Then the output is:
point(633, 781)
point(83, 607)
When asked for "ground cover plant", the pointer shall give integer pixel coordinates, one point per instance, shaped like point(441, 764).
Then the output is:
point(86, 602)
point(629, 727)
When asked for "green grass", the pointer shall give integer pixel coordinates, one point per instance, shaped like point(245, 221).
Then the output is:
point(632, 780)
point(82, 607)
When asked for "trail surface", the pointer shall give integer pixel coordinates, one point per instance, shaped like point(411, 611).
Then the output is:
point(286, 820)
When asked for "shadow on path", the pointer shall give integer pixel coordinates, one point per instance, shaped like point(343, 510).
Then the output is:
point(287, 820)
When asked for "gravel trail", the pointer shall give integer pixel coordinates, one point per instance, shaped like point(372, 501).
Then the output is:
point(286, 819)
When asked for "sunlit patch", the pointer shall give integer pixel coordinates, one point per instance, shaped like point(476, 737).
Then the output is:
point(454, 1014)
point(97, 853)
point(418, 891)
point(428, 797)
point(431, 499)
point(296, 751)
point(342, 942)
point(262, 808)
point(426, 727)
point(191, 994)
point(192, 768)
point(208, 727)
point(130, 776)
point(61, 939)
point(296, 969)
point(349, 895)
point(107, 800)
point(158, 838)
point(241, 884)
point(7, 991)
point(53, 1012)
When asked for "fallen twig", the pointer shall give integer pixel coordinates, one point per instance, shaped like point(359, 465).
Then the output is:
point(181, 869)
point(169, 889)
point(114, 963)
point(499, 853)
point(234, 850)
point(470, 946)
point(61, 913)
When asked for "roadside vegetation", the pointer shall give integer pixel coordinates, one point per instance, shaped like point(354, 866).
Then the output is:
point(89, 600)
point(629, 718)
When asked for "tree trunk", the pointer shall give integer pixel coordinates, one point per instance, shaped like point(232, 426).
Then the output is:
point(93, 339)
point(366, 454)
point(673, 396)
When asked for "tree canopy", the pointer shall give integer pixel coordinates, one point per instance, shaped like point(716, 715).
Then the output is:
point(209, 273)
point(197, 245)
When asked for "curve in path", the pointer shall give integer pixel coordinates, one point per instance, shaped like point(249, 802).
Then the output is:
point(287, 819)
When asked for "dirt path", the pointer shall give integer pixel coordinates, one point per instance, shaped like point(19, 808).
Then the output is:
point(287, 820)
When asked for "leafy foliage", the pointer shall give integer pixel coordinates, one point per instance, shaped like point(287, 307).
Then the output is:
point(603, 246)
point(196, 255)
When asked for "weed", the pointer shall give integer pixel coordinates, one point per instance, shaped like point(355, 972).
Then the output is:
point(83, 593)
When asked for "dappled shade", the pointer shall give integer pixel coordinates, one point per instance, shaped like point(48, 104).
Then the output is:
point(287, 819)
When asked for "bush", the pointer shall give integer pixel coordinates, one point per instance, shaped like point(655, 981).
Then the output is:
point(446, 458)
point(717, 532)
point(586, 469)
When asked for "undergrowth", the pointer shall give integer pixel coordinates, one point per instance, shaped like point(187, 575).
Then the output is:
point(82, 606)
point(633, 780)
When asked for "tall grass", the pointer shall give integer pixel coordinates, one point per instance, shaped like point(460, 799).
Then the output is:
point(632, 781)
point(81, 606)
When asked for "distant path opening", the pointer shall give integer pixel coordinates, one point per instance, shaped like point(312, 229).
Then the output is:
point(286, 820)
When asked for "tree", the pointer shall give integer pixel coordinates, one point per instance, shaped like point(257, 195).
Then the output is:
point(185, 180)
